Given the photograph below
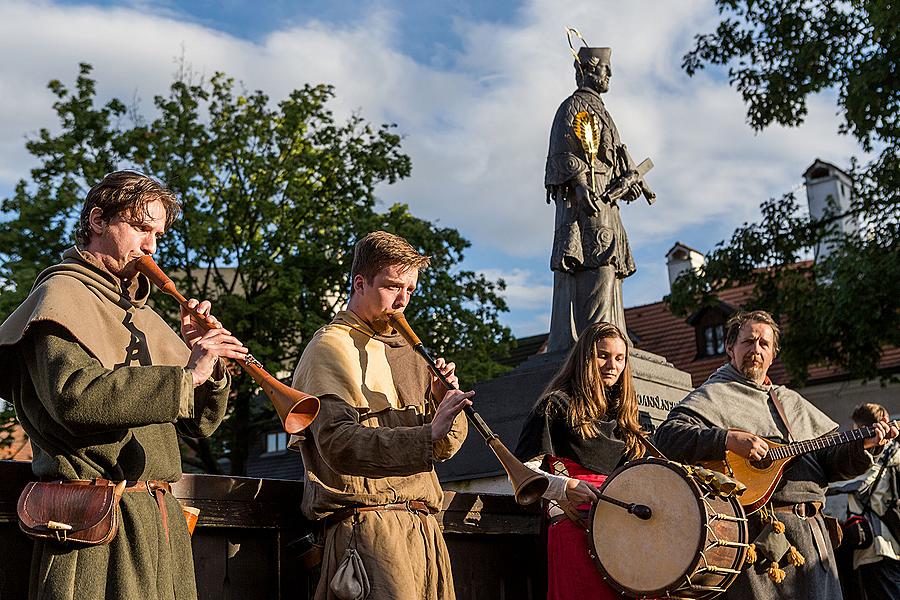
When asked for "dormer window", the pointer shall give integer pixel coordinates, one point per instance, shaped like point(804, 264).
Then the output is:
point(709, 326)
point(714, 336)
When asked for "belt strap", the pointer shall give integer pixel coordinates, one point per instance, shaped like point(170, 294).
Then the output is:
point(413, 506)
point(130, 486)
point(804, 510)
point(780, 409)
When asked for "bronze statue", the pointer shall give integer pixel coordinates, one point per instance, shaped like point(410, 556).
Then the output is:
point(589, 171)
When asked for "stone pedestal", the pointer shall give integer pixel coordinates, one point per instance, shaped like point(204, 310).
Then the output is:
point(505, 401)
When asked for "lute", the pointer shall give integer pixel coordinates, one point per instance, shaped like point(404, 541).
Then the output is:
point(762, 476)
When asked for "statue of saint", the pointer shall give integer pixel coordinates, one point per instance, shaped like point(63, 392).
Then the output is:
point(588, 172)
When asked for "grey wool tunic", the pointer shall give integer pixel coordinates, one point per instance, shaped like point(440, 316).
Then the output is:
point(695, 431)
point(99, 385)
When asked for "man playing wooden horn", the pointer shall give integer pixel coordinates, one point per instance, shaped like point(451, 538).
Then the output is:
point(103, 386)
point(384, 421)
point(735, 410)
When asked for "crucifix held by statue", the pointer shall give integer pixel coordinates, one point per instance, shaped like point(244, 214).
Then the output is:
point(588, 173)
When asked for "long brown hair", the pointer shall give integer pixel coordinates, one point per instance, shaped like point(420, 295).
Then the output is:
point(589, 398)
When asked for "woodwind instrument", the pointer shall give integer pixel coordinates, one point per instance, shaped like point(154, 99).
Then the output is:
point(527, 485)
point(296, 409)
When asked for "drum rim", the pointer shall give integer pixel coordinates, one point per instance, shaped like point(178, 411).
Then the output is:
point(700, 543)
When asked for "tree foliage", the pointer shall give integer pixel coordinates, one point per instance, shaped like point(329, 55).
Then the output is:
point(274, 198)
point(841, 310)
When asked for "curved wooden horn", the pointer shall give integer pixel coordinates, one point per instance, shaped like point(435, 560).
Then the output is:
point(295, 409)
point(528, 486)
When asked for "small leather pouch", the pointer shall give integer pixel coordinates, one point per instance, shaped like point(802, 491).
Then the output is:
point(81, 513)
point(350, 581)
point(835, 533)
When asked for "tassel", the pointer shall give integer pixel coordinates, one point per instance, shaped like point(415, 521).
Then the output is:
point(751, 554)
point(795, 558)
point(777, 526)
point(776, 574)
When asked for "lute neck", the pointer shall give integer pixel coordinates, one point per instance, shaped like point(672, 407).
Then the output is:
point(820, 443)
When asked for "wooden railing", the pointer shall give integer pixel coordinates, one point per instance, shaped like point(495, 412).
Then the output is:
point(248, 540)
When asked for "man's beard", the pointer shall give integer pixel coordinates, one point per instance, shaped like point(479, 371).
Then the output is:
point(598, 84)
point(752, 367)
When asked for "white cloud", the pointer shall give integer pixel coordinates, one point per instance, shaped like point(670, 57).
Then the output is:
point(477, 131)
point(524, 290)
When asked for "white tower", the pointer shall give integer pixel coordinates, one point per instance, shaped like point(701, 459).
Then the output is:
point(681, 258)
point(827, 184)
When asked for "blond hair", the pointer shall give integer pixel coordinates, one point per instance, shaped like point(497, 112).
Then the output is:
point(381, 249)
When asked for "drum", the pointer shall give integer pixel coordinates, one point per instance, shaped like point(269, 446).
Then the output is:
point(692, 546)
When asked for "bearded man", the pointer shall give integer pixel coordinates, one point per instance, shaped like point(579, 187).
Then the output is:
point(384, 421)
point(103, 386)
point(736, 410)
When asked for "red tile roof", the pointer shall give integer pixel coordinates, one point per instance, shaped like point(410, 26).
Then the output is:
point(18, 447)
point(661, 332)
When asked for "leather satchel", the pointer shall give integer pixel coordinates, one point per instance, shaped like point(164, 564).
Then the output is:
point(82, 513)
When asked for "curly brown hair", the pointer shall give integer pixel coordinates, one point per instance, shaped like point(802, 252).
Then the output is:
point(125, 193)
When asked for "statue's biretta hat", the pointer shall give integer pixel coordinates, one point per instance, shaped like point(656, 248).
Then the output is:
point(585, 54)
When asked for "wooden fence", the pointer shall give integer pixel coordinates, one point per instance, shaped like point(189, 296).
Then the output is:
point(250, 534)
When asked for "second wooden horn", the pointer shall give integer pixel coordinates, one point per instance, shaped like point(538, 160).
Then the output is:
point(295, 409)
point(528, 486)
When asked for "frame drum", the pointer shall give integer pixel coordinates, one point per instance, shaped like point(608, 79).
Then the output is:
point(693, 545)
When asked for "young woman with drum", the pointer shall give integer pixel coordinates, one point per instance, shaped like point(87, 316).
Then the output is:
point(583, 427)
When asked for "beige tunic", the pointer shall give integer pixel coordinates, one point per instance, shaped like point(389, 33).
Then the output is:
point(371, 445)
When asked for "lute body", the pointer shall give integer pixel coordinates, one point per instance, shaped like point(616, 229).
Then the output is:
point(762, 476)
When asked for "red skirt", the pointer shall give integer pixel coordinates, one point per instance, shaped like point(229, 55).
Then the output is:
point(571, 572)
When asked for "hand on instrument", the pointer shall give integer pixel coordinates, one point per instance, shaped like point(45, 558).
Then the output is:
point(192, 329)
point(579, 491)
point(454, 401)
point(438, 389)
point(885, 431)
point(744, 443)
point(214, 344)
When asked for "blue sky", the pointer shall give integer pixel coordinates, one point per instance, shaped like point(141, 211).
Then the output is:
point(472, 86)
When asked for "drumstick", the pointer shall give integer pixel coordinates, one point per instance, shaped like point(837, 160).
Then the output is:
point(641, 511)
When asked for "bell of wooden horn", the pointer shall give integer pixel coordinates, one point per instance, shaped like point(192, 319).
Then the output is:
point(527, 485)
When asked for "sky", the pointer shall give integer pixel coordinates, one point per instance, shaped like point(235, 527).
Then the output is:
point(472, 87)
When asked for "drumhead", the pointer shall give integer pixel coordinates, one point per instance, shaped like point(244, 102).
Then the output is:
point(653, 556)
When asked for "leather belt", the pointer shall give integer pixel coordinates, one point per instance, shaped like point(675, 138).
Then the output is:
point(413, 506)
point(804, 510)
point(157, 489)
point(582, 514)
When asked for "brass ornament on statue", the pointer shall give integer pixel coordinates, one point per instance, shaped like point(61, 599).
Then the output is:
point(587, 129)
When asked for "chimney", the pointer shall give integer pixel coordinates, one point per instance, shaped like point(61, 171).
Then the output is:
point(827, 184)
point(681, 258)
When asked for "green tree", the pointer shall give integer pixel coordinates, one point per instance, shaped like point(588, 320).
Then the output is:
point(842, 310)
point(274, 198)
